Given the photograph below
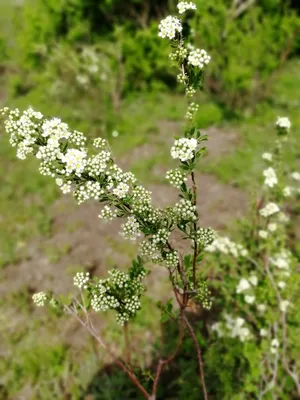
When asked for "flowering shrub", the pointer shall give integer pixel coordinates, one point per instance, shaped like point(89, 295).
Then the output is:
point(259, 298)
point(91, 173)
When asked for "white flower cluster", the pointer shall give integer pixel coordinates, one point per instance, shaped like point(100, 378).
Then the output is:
point(232, 327)
point(246, 285)
point(88, 190)
point(121, 190)
point(108, 213)
point(176, 177)
point(121, 292)
point(296, 175)
point(267, 156)
point(271, 177)
point(288, 191)
point(172, 259)
point(100, 143)
point(226, 246)
point(198, 58)
point(75, 161)
point(281, 260)
point(40, 299)
point(185, 210)
point(205, 236)
point(190, 91)
point(98, 164)
point(81, 279)
point(184, 149)
point(192, 110)
point(161, 237)
point(183, 6)
point(179, 55)
point(151, 250)
point(270, 209)
point(141, 200)
point(131, 229)
point(283, 123)
point(51, 141)
point(169, 26)
point(274, 346)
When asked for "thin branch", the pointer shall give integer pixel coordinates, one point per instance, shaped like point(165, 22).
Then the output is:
point(162, 363)
point(128, 372)
point(199, 355)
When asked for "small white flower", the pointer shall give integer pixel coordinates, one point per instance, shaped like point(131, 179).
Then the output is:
point(284, 123)
point(168, 27)
point(199, 58)
point(81, 279)
point(243, 285)
point(263, 332)
point(59, 182)
point(184, 149)
point(296, 175)
point(115, 133)
point(271, 178)
point(253, 280)
point(284, 305)
point(267, 156)
point(263, 234)
point(283, 218)
point(249, 299)
point(274, 346)
point(287, 191)
point(183, 6)
point(261, 308)
point(40, 299)
point(281, 284)
point(269, 209)
point(272, 227)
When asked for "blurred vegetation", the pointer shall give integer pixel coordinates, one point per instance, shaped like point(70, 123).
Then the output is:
point(100, 65)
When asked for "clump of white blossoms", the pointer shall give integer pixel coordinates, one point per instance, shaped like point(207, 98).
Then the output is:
point(267, 156)
point(40, 299)
point(184, 149)
point(199, 58)
point(169, 27)
point(192, 110)
point(270, 209)
point(263, 234)
point(108, 213)
point(274, 346)
point(271, 178)
point(283, 123)
point(232, 327)
point(183, 6)
point(176, 177)
point(226, 246)
point(81, 279)
point(131, 229)
point(296, 176)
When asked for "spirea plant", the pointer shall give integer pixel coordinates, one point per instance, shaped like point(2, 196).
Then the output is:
point(259, 294)
point(91, 173)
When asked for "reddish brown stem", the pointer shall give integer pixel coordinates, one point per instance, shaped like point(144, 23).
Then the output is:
point(163, 363)
point(199, 355)
point(127, 371)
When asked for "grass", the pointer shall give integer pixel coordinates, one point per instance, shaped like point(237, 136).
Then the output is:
point(51, 370)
